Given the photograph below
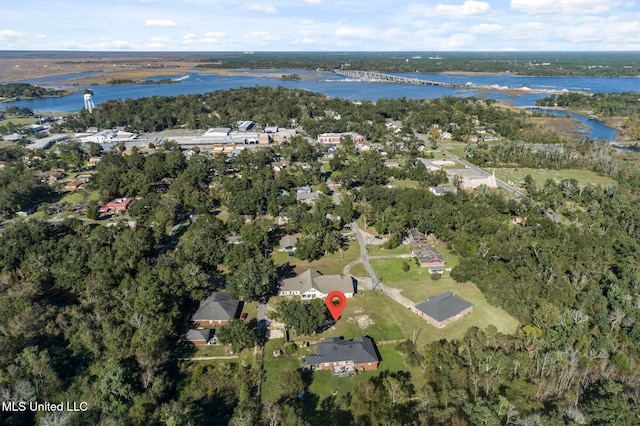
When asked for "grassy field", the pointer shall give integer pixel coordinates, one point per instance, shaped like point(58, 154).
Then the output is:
point(418, 285)
point(17, 121)
point(331, 264)
point(541, 175)
point(359, 270)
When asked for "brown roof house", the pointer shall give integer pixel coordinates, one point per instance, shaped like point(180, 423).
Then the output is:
point(428, 257)
point(313, 285)
point(442, 309)
point(198, 336)
point(217, 309)
point(344, 357)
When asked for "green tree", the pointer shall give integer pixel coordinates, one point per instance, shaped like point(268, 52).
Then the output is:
point(237, 334)
point(305, 317)
point(256, 278)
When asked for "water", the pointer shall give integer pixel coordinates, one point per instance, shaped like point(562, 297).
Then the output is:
point(598, 130)
point(335, 86)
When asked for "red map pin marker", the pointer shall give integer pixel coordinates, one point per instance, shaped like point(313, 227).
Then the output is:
point(336, 302)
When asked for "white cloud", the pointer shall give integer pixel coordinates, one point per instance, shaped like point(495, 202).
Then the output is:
point(468, 9)
point(160, 23)
point(310, 33)
point(112, 44)
point(160, 39)
point(189, 36)
point(266, 8)
point(354, 32)
point(313, 1)
point(215, 34)
point(569, 7)
point(10, 35)
point(486, 29)
point(305, 41)
point(260, 35)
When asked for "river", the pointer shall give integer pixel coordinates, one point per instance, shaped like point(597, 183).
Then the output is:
point(332, 85)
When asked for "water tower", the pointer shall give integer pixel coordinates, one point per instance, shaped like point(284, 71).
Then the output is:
point(88, 102)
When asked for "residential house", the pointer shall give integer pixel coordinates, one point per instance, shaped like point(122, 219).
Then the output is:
point(93, 161)
point(313, 285)
point(198, 336)
point(428, 256)
point(416, 236)
point(441, 190)
point(442, 309)
point(117, 205)
point(278, 166)
point(288, 243)
point(472, 183)
point(307, 197)
point(344, 357)
point(217, 309)
point(75, 185)
point(52, 176)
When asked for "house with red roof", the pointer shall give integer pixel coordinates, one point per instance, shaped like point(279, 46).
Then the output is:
point(115, 206)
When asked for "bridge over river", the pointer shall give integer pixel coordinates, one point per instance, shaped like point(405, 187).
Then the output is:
point(389, 78)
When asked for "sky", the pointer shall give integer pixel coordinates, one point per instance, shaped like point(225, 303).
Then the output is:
point(321, 25)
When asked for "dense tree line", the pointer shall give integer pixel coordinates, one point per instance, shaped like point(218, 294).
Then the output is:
point(610, 64)
point(23, 90)
point(623, 104)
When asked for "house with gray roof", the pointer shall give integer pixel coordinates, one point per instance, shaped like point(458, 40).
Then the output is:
point(198, 336)
point(313, 285)
point(344, 357)
point(442, 309)
point(217, 309)
point(428, 256)
point(288, 243)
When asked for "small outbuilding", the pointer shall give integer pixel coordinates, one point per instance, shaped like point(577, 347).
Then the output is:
point(442, 309)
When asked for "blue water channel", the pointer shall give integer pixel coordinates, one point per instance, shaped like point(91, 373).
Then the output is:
point(332, 85)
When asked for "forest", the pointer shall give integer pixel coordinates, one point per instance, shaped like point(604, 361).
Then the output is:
point(570, 64)
point(94, 313)
point(24, 90)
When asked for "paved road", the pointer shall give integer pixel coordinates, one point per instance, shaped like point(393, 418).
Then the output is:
point(391, 292)
point(331, 186)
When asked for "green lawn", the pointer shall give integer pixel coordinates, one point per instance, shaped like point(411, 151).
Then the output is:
point(323, 383)
point(359, 270)
point(331, 264)
point(17, 121)
point(517, 175)
point(417, 285)
point(272, 384)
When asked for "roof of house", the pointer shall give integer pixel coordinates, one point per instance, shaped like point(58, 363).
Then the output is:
point(303, 196)
point(322, 283)
point(198, 334)
point(443, 306)
point(288, 241)
point(417, 236)
point(219, 306)
point(427, 254)
point(334, 349)
point(440, 190)
point(116, 204)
